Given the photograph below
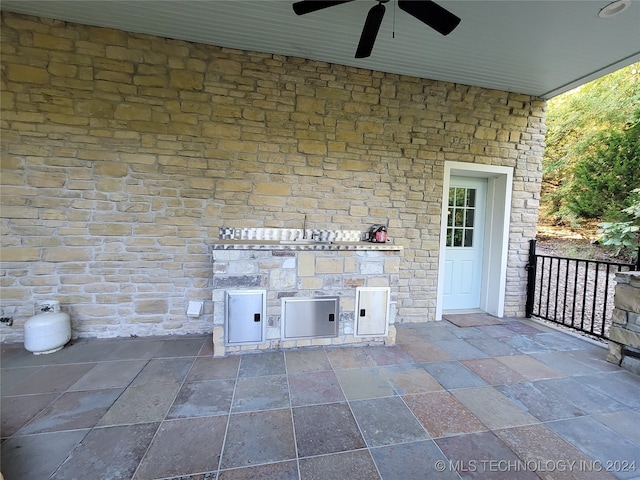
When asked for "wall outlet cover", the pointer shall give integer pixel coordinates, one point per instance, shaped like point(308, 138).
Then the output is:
point(194, 309)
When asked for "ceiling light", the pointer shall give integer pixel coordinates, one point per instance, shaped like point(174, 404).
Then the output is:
point(614, 8)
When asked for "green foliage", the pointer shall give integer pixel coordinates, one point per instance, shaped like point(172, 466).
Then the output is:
point(623, 237)
point(603, 178)
point(582, 125)
point(619, 236)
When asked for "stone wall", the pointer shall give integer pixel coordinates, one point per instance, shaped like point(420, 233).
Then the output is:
point(624, 333)
point(122, 154)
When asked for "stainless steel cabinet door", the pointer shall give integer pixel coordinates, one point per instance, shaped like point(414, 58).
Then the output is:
point(245, 317)
point(372, 311)
point(310, 317)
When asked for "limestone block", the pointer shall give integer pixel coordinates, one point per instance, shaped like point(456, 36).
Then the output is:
point(140, 158)
point(310, 283)
point(354, 282)
point(622, 277)
point(225, 66)
point(310, 105)
point(111, 169)
point(150, 80)
point(350, 265)
point(359, 211)
point(282, 279)
point(370, 127)
point(11, 293)
point(110, 229)
point(239, 281)
point(27, 74)
point(65, 119)
point(122, 53)
point(381, 281)
point(631, 364)
point(329, 265)
point(100, 311)
point(333, 93)
point(614, 354)
point(151, 306)
point(289, 262)
point(619, 317)
point(186, 80)
point(200, 183)
point(390, 339)
point(312, 147)
point(243, 267)
point(372, 268)
point(46, 179)
point(101, 64)
point(306, 264)
point(132, 111)
point(272, 188)
point(624, 336)
point(267, 201)
point(41, 40)
point(353, 165)
point(633, 320)
point(66, 254)
point(627, 298)
point(391, 265)
point(62, 69)
point(19, 254)
point(95, 108)
point(218, 341)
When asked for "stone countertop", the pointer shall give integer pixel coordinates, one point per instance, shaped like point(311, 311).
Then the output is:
point(292, 245)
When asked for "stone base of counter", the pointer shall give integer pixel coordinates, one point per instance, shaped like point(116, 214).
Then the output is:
point(285, 273)
point(220, 350)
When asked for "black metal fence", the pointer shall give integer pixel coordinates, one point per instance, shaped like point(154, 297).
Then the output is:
point(573, 292)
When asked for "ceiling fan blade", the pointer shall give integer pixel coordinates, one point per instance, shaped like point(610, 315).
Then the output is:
point(308, 6)
point(370, 31)
point(438, 18)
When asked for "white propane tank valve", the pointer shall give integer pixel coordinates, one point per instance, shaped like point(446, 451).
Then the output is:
point(47, 331)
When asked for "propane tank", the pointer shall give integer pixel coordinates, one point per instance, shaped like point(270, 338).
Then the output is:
point(48, 331)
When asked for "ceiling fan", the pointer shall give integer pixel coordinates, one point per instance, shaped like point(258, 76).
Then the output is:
point(428, 12)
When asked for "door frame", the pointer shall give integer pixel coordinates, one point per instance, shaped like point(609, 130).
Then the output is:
point(496, 232)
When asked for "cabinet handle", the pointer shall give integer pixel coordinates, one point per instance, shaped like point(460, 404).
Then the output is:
point(332, 317)
point(362, 312)
point(256, 317)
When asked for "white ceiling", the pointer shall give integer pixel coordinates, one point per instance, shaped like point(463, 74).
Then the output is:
point(542, 47)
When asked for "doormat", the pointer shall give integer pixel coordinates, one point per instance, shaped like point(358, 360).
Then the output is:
point(463, 320)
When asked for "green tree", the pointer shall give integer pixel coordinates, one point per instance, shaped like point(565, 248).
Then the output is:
point(605, 177)
point(585, 125)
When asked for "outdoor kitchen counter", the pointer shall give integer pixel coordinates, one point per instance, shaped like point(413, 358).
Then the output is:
point(275, 276)
point(278, 245)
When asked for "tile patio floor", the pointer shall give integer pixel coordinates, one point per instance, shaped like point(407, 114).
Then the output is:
point(512, 401)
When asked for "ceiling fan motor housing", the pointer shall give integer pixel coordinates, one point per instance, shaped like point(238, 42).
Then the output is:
point(427, 11)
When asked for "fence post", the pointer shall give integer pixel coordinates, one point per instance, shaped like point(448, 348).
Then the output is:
point(531, 278)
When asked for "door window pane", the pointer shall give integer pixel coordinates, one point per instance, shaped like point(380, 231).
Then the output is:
point(468, 237)
point(457, 237)
point(469, 218)
point(461, 217)
point(471, 197)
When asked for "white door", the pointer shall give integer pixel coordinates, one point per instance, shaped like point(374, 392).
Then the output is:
point(464, 243)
